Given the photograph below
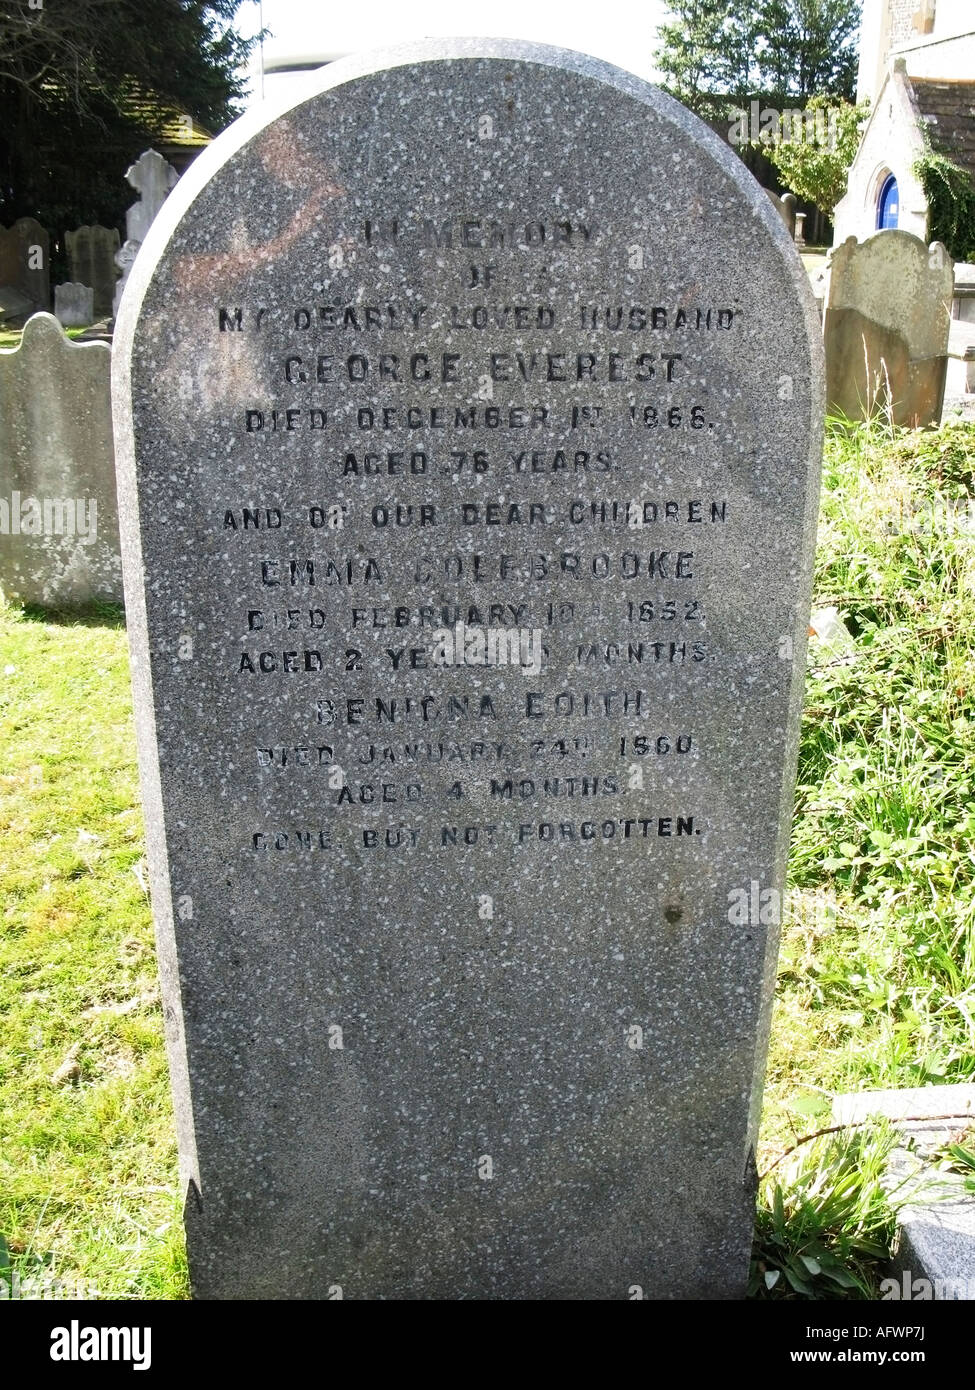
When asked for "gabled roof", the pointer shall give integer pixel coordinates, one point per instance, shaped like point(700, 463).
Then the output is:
point(946, 109)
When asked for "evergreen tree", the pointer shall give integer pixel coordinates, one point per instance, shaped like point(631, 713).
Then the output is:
point(87, 85)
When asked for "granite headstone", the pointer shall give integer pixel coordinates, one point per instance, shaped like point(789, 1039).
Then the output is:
point(469, 418)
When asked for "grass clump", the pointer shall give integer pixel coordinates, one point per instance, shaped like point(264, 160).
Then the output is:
point(826, 1221)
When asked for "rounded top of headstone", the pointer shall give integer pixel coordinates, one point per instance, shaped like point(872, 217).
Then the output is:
point(44, 331)
point(656, 132)
point(41, 327)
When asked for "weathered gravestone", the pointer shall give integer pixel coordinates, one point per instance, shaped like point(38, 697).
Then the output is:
point(74, 305)
point(469, 484)
point(963, 293)
point(59, 542)
point(25, 262)
point(888, 313)
point(14, 304)
point(91, 257)
point(788, 212)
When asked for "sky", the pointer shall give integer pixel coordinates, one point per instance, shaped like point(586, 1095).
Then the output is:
point(618, 31)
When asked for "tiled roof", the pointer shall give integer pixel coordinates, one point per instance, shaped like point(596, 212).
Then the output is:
point(947, 111)
point(165, 123)
point(170, 127)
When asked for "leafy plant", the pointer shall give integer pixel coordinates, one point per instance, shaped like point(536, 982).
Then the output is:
point(816, 169)
point(825, 1221)
point(957, 1158)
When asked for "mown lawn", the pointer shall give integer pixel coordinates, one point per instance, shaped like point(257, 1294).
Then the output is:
point(87, 1161)
point(877, 981)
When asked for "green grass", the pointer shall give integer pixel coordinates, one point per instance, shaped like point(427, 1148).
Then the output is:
point(877, 973)
point(87, 1163)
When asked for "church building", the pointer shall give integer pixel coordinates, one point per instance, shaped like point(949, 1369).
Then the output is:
point(917, 69)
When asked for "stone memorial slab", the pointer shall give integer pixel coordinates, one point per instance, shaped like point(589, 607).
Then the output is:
point(935, 1240)
point(785, 207)
point(469, 416)
point(963, 300)
point(886, 328)
point(91, 257)
point(25, 261)
point(153, 178)
point(59, 541)
point(74, 305)
point(14, 304)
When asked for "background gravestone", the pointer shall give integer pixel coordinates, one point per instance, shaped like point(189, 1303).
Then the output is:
point(468, 967)
point(74, 305)
point(963, 293)
point(153, 178)
point(888, 313)
point(25, 261)
point(59, 543)
point(91, 257)
point(14, 305)
point(786, 208)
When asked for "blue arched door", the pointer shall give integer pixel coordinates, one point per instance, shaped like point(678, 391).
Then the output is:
point(887, 204)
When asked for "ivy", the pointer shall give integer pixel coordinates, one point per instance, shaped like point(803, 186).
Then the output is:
point(950, 193)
